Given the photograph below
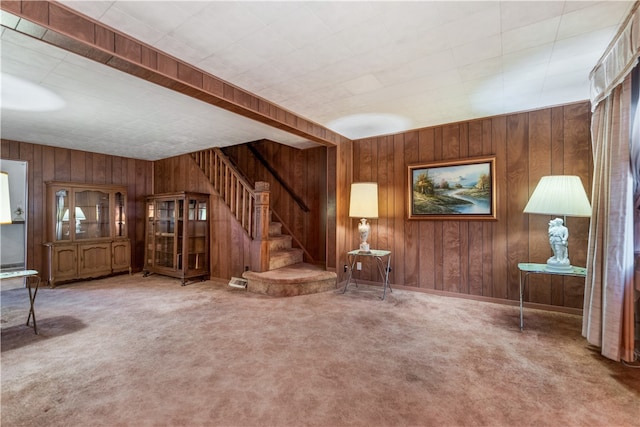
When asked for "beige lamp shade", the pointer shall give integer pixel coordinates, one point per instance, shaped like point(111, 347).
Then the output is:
point(5, 204)
point(363, 205)
point(364, 200)
point(559, 195)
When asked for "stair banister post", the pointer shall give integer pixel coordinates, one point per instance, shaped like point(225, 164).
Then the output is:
point(260, 242)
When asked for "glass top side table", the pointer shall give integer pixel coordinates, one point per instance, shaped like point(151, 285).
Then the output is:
point(379, 256)
point(527, 268)
point(32, 286)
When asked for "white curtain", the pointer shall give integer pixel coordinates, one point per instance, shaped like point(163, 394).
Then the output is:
point(610, 257)
point(635, 158)
point(609, 295)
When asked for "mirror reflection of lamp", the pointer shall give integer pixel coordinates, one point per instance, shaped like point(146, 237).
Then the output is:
point(79, 217)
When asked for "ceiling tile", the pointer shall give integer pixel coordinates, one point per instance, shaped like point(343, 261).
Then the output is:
point(301, 27)
point(364, 84)
point(340, 16)
point(594, 17)
point(479, 69)
point(141, 30)
point(474, 26)
point(595, 41)
point(478, 50)
point(452, 10)
point(428, 65)
point(529, 36)
point(516, 14)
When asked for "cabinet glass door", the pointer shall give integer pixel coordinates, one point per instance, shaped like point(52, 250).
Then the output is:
point(150, 228)
point(197, 232)
point(121, 216)
point(90, 219)
point(180, 234)
point(62, 215)
point(164, 233)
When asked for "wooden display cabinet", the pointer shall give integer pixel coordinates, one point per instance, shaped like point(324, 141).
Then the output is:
point(86, 231)
point(177, 235)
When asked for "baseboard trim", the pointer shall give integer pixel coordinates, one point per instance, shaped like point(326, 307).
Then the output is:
point(538, 306)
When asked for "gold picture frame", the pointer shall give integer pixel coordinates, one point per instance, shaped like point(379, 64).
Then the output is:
point(453, 189)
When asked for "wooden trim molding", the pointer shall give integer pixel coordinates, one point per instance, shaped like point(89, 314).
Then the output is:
point(67, 29)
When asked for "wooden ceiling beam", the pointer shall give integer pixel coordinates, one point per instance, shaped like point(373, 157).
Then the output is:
point(59, 26)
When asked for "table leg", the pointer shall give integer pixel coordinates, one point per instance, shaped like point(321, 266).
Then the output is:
point(521, 298)
point(353, 263)
point(385, 276)
point(32, 300)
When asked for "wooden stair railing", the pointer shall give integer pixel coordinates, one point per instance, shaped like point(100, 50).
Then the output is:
point(237, 192)
point(249, 206)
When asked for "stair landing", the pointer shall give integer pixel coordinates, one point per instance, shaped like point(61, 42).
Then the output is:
point(292, 280)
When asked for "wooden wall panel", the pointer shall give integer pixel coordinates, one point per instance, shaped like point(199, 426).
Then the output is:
point(577, 161)
point(480, 257)
point(331, 204)
point(517, 196)
point(499, 268)
point(411, 228)
point(59, 164)
point(398, 244)
point(426, 240)
point(344, 231)
point(540, 157)
point(382, 227)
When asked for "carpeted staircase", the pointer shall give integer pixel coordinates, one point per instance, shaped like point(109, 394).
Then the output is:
point(288, 275)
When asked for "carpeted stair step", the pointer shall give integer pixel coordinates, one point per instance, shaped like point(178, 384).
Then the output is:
point(277, 243)
point(284, 257)
point(298, 279)
point(275, 228)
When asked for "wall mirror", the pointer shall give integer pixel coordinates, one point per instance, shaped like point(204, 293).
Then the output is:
point(13, 236)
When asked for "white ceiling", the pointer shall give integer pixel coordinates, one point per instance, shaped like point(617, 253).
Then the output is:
point(425, 63)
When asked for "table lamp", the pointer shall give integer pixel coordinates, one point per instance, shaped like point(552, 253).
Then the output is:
point(364, 204)
point(559, 195)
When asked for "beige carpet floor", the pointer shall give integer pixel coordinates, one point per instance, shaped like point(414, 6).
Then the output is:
point(136, 351)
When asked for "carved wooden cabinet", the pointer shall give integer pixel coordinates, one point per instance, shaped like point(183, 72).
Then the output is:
point(177, 235)
point(86, 231)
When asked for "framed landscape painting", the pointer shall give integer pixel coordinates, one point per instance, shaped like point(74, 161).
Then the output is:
point(450, 190)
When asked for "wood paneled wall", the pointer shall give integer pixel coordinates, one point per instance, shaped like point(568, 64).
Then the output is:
point(477, 257)
point(230, 247)
point(305, 172)
point(59, 164)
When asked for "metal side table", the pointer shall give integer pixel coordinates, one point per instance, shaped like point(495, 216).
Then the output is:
point(527, 268)
point(379, 256)
point(33, 290)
